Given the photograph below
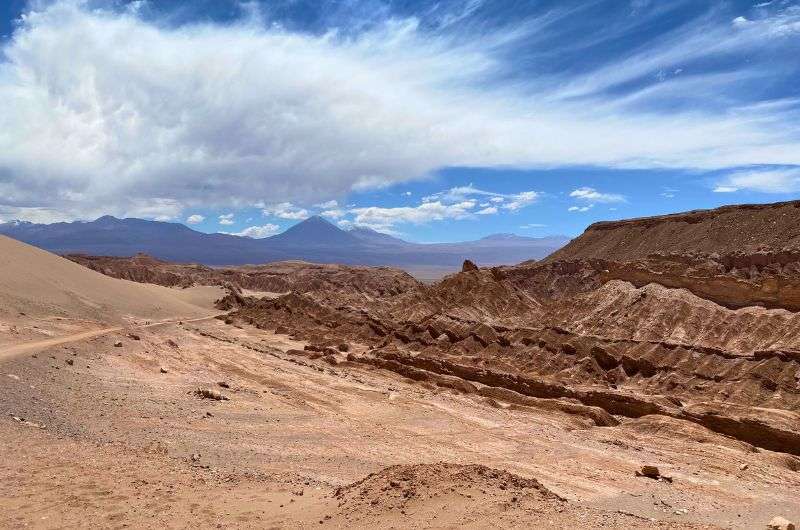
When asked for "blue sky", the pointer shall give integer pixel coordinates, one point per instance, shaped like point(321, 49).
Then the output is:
point(435, 121)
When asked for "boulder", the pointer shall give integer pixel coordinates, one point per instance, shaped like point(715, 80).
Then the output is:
point(780, 523)
point(207, 393)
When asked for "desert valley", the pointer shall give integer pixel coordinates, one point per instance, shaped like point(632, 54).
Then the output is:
point(645, 375)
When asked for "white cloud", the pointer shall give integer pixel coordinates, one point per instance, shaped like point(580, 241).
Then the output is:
point(590, 194)
point(285, 210)
point(771, 180)
point(532, 225)
point(195, 219)
point(240, 110)
point(406, 194)
point(327, 205)
point(383, 219)
point(515, 201)
point(335, 213)
point(258, 232)
point(226, 219)
point(521, 200)
point(580, 208)
point(487, 211)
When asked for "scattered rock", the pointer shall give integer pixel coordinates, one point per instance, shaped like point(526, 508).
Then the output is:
point(780, 523)
point(133, 336)
point(743, 467)
point(171, 343)
point(195, 457)
point(224, 384)
point(653, 473)
point(330, 359)
point(70, 362)
point(344, 347)
point(281, 330)
point(207, 393)
point(163, 370)
point(118, 344)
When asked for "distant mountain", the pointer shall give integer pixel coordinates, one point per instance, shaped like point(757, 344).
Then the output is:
point(315, 232)
point(371, 236)
point(314, 239)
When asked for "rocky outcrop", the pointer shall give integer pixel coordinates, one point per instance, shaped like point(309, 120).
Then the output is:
point(336, 283)
point(746, 228)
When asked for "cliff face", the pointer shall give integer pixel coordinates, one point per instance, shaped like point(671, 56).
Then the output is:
point(726, 230)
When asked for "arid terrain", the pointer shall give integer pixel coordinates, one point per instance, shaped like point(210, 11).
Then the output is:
point(647, 375)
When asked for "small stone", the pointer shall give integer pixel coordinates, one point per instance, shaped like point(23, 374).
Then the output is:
point(163, 370)
point(133, 336)
point(196, 457)
point(207, 393)
point(650, 472)
point(744, 466)
point(344, 347)
point(780, 523)
point(224, 384)
point(118, 344)
point(70, 362)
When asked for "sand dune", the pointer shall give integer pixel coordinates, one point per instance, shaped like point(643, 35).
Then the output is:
point(37, 282)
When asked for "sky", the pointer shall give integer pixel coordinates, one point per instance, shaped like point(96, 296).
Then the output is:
point(432, 121)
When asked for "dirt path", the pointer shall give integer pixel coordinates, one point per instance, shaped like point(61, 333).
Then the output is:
point(13, 351)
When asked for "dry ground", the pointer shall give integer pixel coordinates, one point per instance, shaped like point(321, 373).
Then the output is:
point(100, 436)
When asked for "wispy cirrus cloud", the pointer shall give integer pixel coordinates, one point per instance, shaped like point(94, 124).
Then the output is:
point(96, 90)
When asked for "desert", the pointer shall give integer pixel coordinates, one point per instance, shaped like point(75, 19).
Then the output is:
point(568, 392)
point(401, 264)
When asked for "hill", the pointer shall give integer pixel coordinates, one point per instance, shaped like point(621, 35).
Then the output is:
point(728, 229)
point(36, 282)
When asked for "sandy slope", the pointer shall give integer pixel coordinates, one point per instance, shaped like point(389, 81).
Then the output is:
point(38, 283)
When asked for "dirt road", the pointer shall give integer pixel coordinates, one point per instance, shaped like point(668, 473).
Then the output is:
point(12, 351)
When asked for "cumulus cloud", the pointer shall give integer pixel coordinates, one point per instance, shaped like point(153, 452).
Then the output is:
point(383, 219)
point(328, 205)
point(103, 107)
point(226, 219)
point(285, 210)
point(764, 180)
point(487, 211)
point(590, 194)
point(195, 219)
point(336, 213)
point(258, 232)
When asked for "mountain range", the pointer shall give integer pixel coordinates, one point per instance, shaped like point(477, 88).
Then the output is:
point(313, 239)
